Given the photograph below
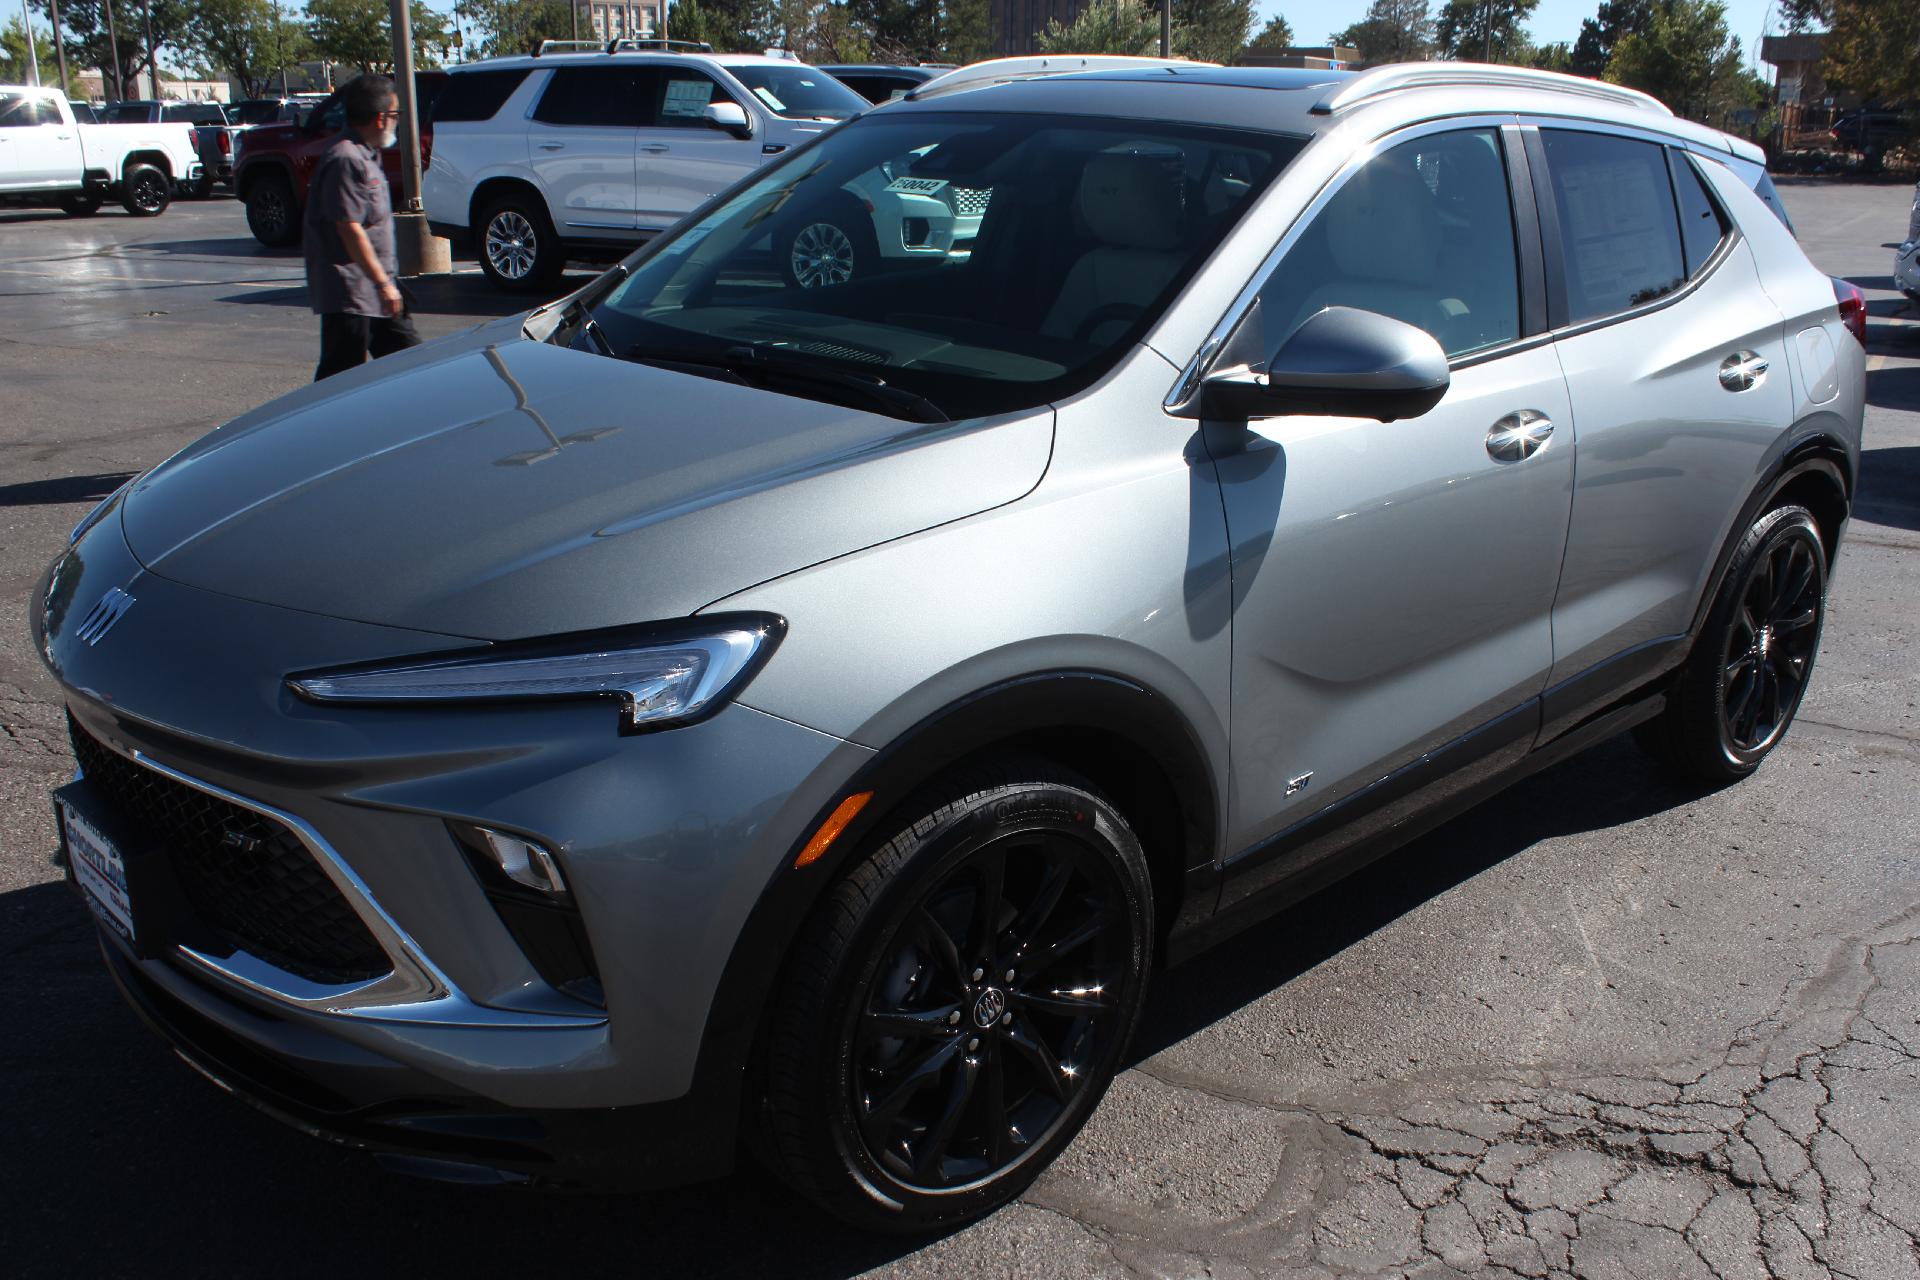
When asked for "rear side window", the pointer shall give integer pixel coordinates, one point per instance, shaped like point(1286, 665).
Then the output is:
point(1619, 232)
point(1702, 225)
point(476, 95)
point(16, 111)
point(612, 96)
point(45, 112)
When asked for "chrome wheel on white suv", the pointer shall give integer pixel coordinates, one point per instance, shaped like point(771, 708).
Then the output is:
point(821, 254)
point(518, 248)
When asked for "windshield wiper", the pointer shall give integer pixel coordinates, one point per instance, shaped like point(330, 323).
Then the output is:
point(759, 366)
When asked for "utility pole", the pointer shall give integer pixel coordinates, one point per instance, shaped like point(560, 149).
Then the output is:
point(1166, 28)
point(113, 43)
point(59, 45)
point(420, 251)
point(1487, 30)
point(153, 68)
point(33, 54)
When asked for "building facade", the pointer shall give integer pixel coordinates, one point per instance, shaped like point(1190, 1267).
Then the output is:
point(618, 19)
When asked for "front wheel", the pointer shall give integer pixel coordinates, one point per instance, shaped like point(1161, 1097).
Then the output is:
point(960, 1001)
point(145, 191)
point(83, 205)
point(830, 249)
point(1752, 660)
point(273, 212)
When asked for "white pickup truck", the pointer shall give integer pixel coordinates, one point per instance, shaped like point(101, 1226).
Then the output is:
point(48, 158)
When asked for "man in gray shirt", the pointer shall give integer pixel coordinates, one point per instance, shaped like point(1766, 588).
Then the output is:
point(348, 236)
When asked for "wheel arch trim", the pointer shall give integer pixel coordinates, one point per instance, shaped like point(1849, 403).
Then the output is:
point(1818, 454)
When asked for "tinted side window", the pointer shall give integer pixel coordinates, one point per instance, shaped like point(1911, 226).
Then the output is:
point(1422, 233)
point(1618, 228)
point(1702, 225)
point(16, 111)
point(613, 96)
point(684, 95)
point(46, 112)
point(476, 95)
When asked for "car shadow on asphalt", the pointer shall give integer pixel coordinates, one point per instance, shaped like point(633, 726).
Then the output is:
point(1889, 490)
point(62, 489)
point(113, 1146)
point(465, 293)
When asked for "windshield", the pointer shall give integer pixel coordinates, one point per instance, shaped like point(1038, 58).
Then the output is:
point(256, 111)
point(982, 263)
point(800, 92)
point(196, 113)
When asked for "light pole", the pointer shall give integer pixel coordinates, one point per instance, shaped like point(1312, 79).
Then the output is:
point(33, 54)
point(420, 251)
point(59, 45)
point(1166, 28)
point(113, 43)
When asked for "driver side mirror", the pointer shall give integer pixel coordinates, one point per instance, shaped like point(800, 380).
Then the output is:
point(1342, 362)
point(728, 117)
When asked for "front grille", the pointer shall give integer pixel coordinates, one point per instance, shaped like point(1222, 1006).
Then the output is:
point(250, 880)
point(971, 202)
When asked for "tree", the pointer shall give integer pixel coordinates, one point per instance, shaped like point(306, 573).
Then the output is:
point(1391, 31)
point(1557, 56)
point(1122, 26)
point(249, 40)
point(88, 44)
point(505, 27)
point(1486, 30)
point(1212, 30)
point(359, 33)
point(14, 59)
point(1686, 59)
point(1600, 33)
point(1277, 34)
point(1875, 49)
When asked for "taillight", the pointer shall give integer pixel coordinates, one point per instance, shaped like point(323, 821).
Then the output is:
point(226, 143)
point(1853, 309)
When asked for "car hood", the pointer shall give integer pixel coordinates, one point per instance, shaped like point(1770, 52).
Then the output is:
point(495, 487)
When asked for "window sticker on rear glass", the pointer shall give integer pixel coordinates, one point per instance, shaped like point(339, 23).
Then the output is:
point(766, 95)
point(1616, 208)
point(687, 97)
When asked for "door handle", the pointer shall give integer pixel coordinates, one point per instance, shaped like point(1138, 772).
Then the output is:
point(1519, 435)
point(1743, 370)
point(656, 148)
point(553, 146)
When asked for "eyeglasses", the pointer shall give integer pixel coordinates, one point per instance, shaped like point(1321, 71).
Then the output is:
point(387, 115)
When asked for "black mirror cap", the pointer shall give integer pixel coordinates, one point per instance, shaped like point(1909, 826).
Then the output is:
point(1341, 362)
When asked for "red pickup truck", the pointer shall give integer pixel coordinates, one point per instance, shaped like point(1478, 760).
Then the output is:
point(276, 161)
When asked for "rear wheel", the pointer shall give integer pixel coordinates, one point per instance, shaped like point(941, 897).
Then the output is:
point(1750, 665)
point(82, 205)
point(145, 191)
point(518, 247)
point(960, 1002)
point(833, 248)
point(202, 188)
point(273, 214)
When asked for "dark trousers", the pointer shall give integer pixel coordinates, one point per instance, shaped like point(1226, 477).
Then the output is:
point(347, 341)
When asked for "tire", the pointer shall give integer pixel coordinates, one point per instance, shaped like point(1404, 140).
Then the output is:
point(835, 248)
point(202, 189)
point(1750, 665)
point(145, 192)
point(517, 246)
point(273, 212)
point(80, 206)
point(902, 1064)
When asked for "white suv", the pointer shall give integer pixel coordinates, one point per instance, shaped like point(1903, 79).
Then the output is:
point(539, 158)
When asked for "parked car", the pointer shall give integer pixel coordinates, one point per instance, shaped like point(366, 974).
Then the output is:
point(814, 713)
point(1872, 133)
point(550, 156)
point(880, 82)
point(276, 161)
point(1906, 259)
point(256, 111)
point(212, 137)
point(46, 156)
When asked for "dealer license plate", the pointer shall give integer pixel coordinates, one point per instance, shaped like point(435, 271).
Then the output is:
point(99, 870)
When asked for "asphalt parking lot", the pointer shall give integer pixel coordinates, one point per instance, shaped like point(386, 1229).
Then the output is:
point(1604, 1026)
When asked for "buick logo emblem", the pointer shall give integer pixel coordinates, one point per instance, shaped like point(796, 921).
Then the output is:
point(988, 1008)
point(110, 608)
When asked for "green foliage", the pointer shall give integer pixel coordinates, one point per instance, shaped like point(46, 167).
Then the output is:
point(503, 27)
point(1486, 30)
point(1108, 26)
point(1277, 34)
point(1875, 49)
point(1600, 33)
point(1686, 59)
point(1557, 56)
point(84, 23)
point(14, 59)
point(359, 33)
point(1391, 31)
point(246, 39)
point(1210, 30)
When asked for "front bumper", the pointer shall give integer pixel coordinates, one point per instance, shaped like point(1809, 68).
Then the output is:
point(669, 841)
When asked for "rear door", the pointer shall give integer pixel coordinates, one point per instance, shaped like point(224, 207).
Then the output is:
point(1676, 364)
point(684, 160)
point(580, 145)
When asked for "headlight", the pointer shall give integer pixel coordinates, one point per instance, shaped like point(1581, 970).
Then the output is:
point(660, 677)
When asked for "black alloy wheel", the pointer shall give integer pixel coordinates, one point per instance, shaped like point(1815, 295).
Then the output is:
point(272, 211)
point(961, 1003)
point(146, 191)
point(80, 204)
point(1751, 663)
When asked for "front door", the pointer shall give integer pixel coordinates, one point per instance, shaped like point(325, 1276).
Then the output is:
point(581, 147)
point(684, 160)
point(1393, 582)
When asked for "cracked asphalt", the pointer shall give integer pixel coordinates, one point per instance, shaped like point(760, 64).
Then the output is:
point(1608, 1025)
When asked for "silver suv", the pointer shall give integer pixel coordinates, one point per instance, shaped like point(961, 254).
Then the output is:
point(710, 712)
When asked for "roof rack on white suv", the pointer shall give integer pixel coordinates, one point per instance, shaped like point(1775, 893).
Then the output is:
point(1002, 70)
point(623, 44)
point(1368, 85)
